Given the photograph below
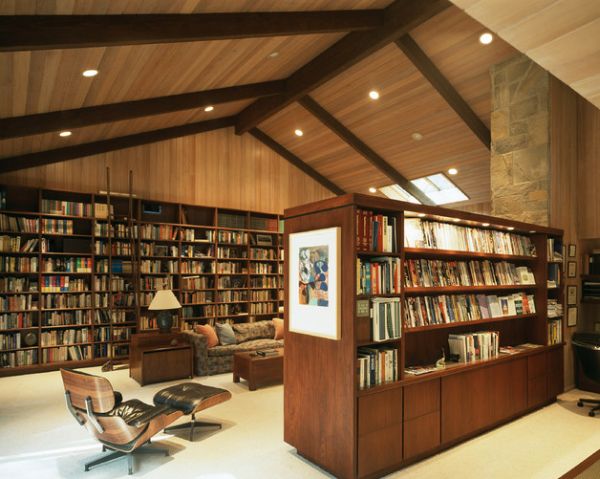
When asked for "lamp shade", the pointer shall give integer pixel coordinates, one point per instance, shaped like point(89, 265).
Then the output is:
point(164, 299)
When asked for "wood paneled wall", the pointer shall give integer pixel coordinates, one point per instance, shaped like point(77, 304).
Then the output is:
point(217, 168)
point(588, 169)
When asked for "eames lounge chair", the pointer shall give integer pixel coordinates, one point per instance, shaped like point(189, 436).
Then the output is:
point(122, 427)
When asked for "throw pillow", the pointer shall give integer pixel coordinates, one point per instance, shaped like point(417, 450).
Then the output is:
point(225, 333)
point(278, 322)
point(208, 331)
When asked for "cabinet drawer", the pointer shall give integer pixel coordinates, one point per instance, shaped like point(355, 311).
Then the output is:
point(421, 434)
point(421, 399)
point(379, 411)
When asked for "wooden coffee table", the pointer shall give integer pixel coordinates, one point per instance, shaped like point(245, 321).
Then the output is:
point(258, 370)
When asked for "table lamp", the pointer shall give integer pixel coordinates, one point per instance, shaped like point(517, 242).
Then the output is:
point(164, 302)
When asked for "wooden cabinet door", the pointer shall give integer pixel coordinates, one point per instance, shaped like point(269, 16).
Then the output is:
point(536, 380)
point(508, 389)
point(421, 418)
point(465, 403)
point(555, 376)
point(379, 431)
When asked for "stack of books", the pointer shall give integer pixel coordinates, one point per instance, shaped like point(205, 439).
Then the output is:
point(555, 331)
point(377, 365)
point(555, 309)
point(376, 232)
point(474, 346)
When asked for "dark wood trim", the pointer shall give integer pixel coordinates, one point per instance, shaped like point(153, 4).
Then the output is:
point(80, 117)
point(112, 144)
point(424, 64)
point(361, 148)
point(294, 160)
point(400, 17)
point(44, 32)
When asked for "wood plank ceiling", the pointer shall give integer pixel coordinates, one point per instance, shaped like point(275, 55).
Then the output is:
point(563, 36)
point(41, 81)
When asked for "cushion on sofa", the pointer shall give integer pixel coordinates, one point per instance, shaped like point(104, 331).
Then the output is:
point(256, 330)
point(210, 333)
point(279, 328)
point(253, 345)
point(225, 334)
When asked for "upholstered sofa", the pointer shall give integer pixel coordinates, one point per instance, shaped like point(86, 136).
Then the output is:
point(219, 359)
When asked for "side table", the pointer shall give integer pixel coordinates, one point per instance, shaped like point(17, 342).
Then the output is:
point(258, 370)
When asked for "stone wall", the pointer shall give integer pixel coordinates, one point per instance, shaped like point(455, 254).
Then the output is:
point(520, 156)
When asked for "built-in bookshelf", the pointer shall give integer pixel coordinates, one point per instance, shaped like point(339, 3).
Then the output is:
point(436, 304)
point(78, 271)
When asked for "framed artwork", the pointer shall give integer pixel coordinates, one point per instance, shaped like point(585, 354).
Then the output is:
point(572, 250)
point(571, 269)
point(571, 295)
point(572, 316)
point(314, 285)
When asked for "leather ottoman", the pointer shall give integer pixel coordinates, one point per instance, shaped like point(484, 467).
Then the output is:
point(191, 398)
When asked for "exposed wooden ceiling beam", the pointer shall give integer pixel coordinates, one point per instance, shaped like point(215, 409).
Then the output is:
point(424, 64)
point(361, 148)
point(88, 149)
point(80, 117)
point(400, 17)
point(44, 32)
point(294, 160)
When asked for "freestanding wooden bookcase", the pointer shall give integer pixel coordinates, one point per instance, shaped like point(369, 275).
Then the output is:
point(353, 432)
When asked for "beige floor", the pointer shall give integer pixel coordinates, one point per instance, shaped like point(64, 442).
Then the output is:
point(39, 439)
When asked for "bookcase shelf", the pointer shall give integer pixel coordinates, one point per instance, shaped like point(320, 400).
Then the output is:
point(188, 234)
point(402, 417)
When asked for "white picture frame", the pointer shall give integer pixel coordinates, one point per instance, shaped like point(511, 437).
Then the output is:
point(314, 288)
point(572, 295)
point(572, 316)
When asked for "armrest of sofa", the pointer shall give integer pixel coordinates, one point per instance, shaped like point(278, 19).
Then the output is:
point(200, 345)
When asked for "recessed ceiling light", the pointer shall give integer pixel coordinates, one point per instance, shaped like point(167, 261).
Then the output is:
point(510, 228)
point(373, 189)
point(273, 54)
point(209, 108)
point(485, 224)
point(298, 132)
point(486, 38)
point(64, 134)
point(90, 73)
point(416, 136)
point(456, 220)
point(421, 215)
point(452, 171)
point(532, 231)
point(374, 95)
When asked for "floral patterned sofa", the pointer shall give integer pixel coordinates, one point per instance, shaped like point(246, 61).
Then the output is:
point(219, 359)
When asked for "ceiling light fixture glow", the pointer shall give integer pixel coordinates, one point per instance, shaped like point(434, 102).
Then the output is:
point(298, 132)
point(485, 224)
point(273, 54)
point(510, 228)
point(374, 95)
point(486, 38)
point(209, 108)
point(452, 171)
point(372, 189)
point(90, 73)
point(64, 134)
point(416, 136)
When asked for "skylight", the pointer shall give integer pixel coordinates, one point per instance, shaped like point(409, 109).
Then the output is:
point(438, 188)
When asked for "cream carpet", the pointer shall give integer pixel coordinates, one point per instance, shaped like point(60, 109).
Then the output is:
point(40, 439)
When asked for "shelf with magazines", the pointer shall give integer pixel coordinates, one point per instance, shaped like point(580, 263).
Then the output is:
point(440, 303)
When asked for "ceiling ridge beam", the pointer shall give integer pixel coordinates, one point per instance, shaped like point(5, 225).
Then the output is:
point(104, 146)
point(294, 160)
point(44, 32)
point(361, 148)
point(400, 17)
point(441, 84)
point(80, 117)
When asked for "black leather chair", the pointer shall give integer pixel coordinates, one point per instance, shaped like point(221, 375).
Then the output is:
point(587, 352)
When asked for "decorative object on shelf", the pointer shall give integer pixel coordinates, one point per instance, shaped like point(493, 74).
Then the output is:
point(314, 288)
point(571, 269)
point(572, 295)
point(30, 339)
point(164, 302)
point(572, 250)
point(572, 316)
point(264, 240)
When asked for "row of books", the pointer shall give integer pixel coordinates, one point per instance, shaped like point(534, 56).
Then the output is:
point(158, 232)
point(18, 302)
point(385, 319)
point(266, 295)
point(262, 308)
point(117, 230)
point(11, 284)
point(196, 282)
point(555, 331)
point(57, 226)
point(16, 320)
point(15, 264)
point(19, 224)
point(195, 267)
point(58, 337)
point(376, 232)
point(229, 252)
point(378, 275)
point(201, 236)
point(115, 248)
point(70, 208)
point(435, 273)
point(198, 297)
point(193, 251)
point(377, 365)
point(12, 244)
point(420, 233)
point(264, 282)
point(159, 266)
point(10, 341)
point(443, 309)
point(554, 250)
point(121, 334)
point(231, 267)
point(18, 358)
point(68, 353)
point(63, 283)
point(233, 237)
point(67, 265)
point(262, 268)
point(83, 300)
point(153, 249)
point(482, 345)
point(262, 253)
point(62, 318)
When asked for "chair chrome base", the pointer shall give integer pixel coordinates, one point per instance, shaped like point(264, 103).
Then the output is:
point(192, 424)
point(112, 455)
point(593, 402)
